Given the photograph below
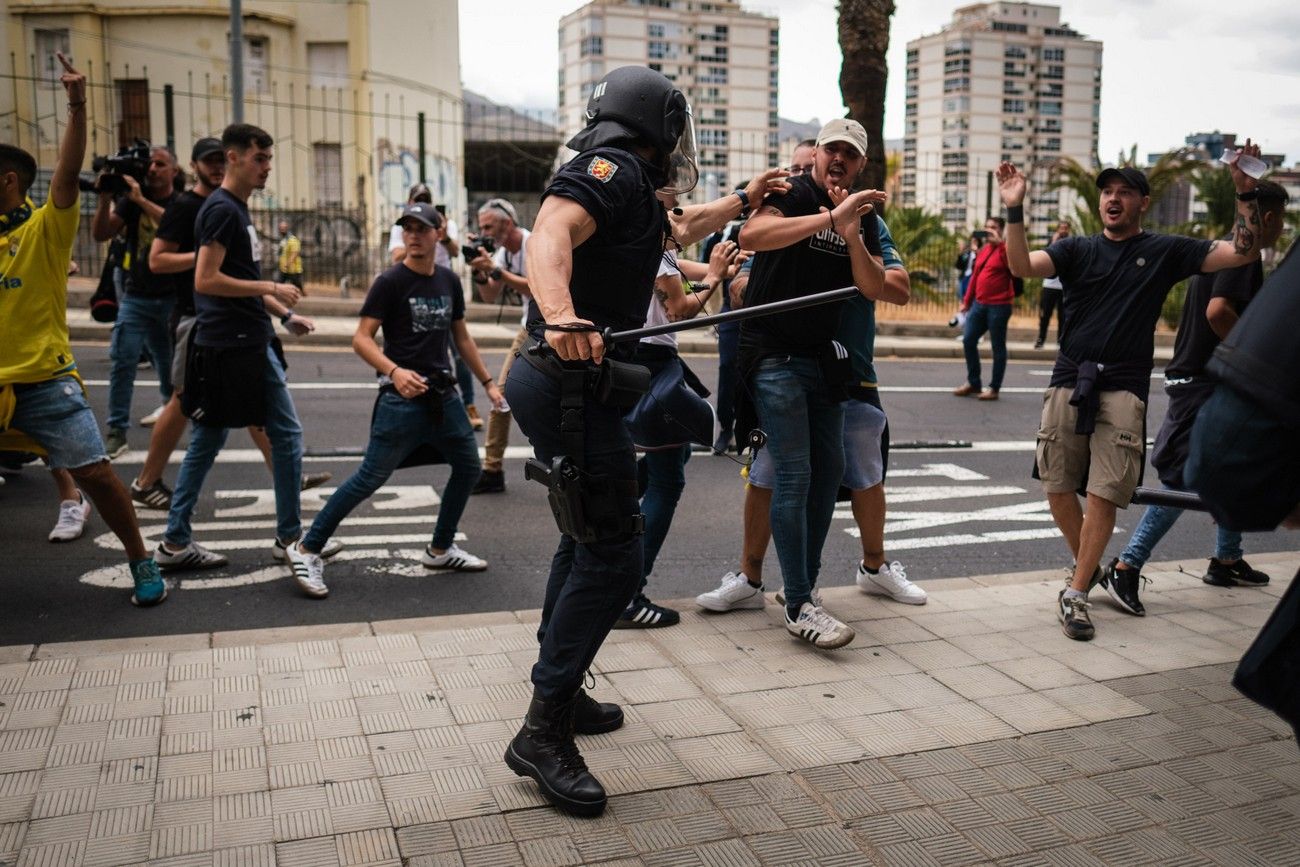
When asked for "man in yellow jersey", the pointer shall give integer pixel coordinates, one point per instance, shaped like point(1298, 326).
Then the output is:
point(288, 256)
point(40, 390)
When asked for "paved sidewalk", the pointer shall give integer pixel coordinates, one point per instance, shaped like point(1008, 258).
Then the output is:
point(967, 731)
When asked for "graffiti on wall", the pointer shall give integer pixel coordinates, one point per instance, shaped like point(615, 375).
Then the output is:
point(399, 169)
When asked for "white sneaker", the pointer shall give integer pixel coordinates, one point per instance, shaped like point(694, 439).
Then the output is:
point(816, 626)
point(328, 550)
point(890, 580)
point(72, 519)
point(152, 418)
point(455, 559)
point(308, 571)
point(192, 556)
point(735, 592)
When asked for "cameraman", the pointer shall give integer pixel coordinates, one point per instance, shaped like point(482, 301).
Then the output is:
point(498, 221)
point(146, 299)
point(41, 393)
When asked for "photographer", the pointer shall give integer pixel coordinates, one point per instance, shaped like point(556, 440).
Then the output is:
point(145, 299)
point(41, 393)
point(493, 273)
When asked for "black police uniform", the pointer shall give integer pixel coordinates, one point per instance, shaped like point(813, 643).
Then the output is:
point(611, 284)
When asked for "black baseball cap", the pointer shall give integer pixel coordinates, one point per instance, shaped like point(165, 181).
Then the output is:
point(423, 212)
point(205, 147)
point(1126, 175)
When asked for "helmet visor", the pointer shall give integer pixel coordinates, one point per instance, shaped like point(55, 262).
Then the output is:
point(683, 171)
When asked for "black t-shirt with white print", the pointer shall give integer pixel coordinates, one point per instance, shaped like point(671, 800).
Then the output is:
point(222, 321)
point(1114, 291)
point(815, 264)
point(416, 311)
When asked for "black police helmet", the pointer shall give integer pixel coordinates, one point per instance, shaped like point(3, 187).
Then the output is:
point(636, 103)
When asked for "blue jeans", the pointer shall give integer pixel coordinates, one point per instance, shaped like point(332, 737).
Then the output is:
point(55, 414)
point(590, 584)
point(396, 429)
point(992, 318)
point(666, 474)
point(1156, 521)
point(143, 324)
point(285, 434)
point(804, 428)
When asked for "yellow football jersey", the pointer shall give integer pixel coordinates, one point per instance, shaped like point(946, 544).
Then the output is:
point(34, 295)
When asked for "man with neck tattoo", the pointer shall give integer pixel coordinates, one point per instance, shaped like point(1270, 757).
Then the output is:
point(41, 393)
point(1092, 434)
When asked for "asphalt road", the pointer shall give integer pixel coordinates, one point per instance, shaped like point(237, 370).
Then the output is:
point(953, 512)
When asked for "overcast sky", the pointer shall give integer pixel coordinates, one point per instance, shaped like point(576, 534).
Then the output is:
point(1170, 68)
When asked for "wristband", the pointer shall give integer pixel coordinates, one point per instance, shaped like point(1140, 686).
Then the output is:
point(831, 217)
point(496, 274)
point(744, 200)
point(394, 370)
point(285, 317)
point(1015, 213)
point(701, 286)
point(1248, 196)
point(76, 104)
point(484, 382)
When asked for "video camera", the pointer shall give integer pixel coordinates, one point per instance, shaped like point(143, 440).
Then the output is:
point(109, 173)
point(472, 249)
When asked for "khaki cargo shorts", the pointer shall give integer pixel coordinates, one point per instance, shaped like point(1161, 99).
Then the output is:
point(1110, 458)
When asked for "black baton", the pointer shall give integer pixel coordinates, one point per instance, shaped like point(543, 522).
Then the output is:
point(1172, 499)
point(611, 336)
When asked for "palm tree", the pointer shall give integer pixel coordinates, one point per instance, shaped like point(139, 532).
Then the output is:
point(1214, 187)
point(864, 39)
point(925, 245)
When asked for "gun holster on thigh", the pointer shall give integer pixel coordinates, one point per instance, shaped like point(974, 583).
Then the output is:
point(589, 508)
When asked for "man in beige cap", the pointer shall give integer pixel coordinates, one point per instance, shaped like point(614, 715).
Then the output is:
point(817, 237)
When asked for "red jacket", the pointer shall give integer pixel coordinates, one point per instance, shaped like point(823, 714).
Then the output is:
point(990, 278)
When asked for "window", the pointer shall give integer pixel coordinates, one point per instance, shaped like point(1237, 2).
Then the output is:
point(774, 38)
point(132, 110)
point(962, 46)
point(1049, 107)
point(713, 75)
point(1052, 144)
point(713, 138)
point(953, 141)
point(592, 45)
point(956, 104)
point(1013, 106)
point(1008, 27)
point(327, 172)
point(256, 60)
point(1053, 55)
point(48, 43)
point(958, 64)
point(954, 197)
point(957, 84)
point(328, 64)
point(1013, 69)
point(654, 30)
point(719, 55)
point(950, 178)
point(718, 34)
point(659, 50)
point(1054, 71)
point(958, 161)
point(1012, 88)
point(1015, 52)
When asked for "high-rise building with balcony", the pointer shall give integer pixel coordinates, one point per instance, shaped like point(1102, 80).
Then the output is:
point(723, 58)
point(1003, 81)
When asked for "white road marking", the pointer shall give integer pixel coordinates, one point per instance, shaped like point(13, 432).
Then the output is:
point(405, 562)
point(389, 497)
point(135, 457)
point(947, 471)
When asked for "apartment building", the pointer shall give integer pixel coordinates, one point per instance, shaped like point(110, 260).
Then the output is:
point(1002, 81)
point(341, 87)
point(723, 58)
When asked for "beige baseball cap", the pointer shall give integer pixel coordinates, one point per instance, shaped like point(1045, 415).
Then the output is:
point(845, 130)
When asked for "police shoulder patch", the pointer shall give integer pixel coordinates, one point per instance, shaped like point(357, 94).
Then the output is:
point(601, 169)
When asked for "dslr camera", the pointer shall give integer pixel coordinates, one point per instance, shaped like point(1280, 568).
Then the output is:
point(472, 248)
point(109, 173)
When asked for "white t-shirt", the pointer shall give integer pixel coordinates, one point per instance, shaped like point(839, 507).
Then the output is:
point(658, 314)
point(515, 264)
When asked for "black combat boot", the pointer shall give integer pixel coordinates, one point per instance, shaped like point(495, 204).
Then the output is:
point(591, 717)
point(544, 750)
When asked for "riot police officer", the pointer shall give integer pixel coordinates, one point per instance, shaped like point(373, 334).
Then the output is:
point(592, 261)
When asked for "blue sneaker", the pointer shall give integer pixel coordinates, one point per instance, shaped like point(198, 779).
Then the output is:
point(150, 589)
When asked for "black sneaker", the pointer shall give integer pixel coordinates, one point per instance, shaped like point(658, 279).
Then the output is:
point(156, 496)
point(1038, 344)
point(490, 482)
point(1236, 574)
point(1072, 611)
point(1122, 585)
point(644, 614)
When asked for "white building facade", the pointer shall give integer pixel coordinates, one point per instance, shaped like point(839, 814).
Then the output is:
point(1003, 81)
point(723, 58)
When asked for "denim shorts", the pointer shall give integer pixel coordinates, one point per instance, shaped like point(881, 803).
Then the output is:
point(55, 414)
point(864, 459)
